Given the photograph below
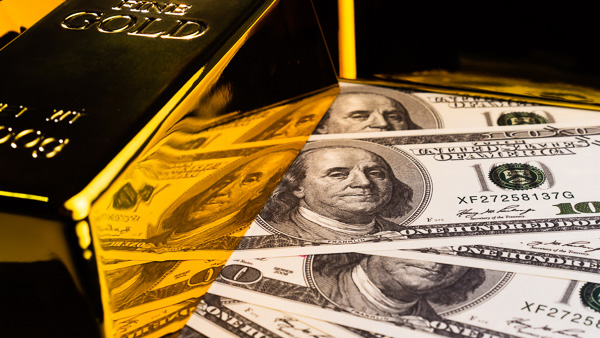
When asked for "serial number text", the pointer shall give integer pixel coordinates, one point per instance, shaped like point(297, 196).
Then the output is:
point(561, 314)
point(518, 197)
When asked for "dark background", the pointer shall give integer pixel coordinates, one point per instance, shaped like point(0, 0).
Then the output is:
point(535, 40)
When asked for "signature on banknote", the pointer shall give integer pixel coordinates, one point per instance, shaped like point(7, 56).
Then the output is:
point(115, 229)
point(289, 325)
point(511, 210)
point(521, 325)
point(585, 245)
point(126, 324)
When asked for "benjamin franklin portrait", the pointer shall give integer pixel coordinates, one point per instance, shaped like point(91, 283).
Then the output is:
point(225, 203)
point(393, 287)
point(364, 108)
point(343, 191)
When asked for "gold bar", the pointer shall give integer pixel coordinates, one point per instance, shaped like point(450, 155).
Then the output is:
point(119, 110)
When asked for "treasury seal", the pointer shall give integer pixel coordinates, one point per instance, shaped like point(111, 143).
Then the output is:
point(517, 176)
point(520, 117)
point(590, 296)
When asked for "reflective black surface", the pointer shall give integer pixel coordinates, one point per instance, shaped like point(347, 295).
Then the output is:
point(116, 81)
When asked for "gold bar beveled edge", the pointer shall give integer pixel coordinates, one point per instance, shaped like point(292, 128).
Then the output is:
point(80, 204)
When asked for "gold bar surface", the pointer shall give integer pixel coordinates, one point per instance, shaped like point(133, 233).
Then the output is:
point(120, 109)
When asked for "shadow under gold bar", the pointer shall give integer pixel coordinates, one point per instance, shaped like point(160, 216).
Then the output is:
point(96, 90)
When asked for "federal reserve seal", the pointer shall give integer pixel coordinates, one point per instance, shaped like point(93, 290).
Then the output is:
point(517, 176)
point(520, 117)
point(590, 296)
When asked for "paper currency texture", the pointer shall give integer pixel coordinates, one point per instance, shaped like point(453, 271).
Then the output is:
point(369, 108)
point(389, 295)
point(393, 191)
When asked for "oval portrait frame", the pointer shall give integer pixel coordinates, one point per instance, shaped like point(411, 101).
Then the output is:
point(420, 112)
point(186, 199)
point(405, 167)
point(494, 282)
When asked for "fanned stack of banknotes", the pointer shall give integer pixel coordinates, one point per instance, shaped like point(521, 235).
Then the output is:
point(406, 214)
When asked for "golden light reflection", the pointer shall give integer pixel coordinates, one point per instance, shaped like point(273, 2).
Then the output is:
point(347, 39)
point(24, 196)
point(169, 222)
point(15, 14)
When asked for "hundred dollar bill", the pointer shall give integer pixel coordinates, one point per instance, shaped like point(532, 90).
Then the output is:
point(218, 316)
point(155, 323)
point(132, 290)
point(355, 192)
point(134, 287)
point(215, 173)
point(366, 192)
point(149, 209)
point(559, 258)
point(177, 208)
point(370, 108)
point(387, 294)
